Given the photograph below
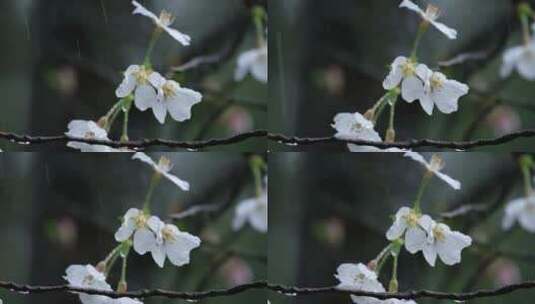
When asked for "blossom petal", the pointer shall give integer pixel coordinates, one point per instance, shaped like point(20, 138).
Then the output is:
point(415, 239)
point(430, 255)
point(178, 250)
point(158, 254)
point(446, 30)
point(512, 212)
point(129, 82)
point(179, 106)
point(160, 111)
point(145, 97)
point(393, 79)
point(398, 227)
point(446, 98)
point(455, 184)
point(141, 10)
point(412, 88)
point(510, 58)
point(184, 39)
point(416, 157)
point(526, 64)
point(144, 241)
point(449, 250)
point(177, 181)
point(412, 6)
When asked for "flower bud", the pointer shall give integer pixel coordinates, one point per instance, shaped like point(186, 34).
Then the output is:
point(369, 114)
point(101, 266)
point(372, 265)
point(393, 286)
point(103, 122)
point(390, 135)
point(122, 287)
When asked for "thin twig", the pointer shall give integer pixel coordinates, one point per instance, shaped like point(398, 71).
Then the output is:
point(409, 144)
point(285, 290)
point(134, 144)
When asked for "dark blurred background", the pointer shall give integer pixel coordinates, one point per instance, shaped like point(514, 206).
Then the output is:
point(327, 209)
point(332, 56)
point(62, 60)
point(63, 209)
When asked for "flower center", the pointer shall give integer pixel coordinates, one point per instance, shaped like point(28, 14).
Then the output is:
point(432, 12)
point(88, 280)
point(437, 163)
point(438, 233)
point(436, 81)
point(412, 219)
point(166, 18)
point(89, 135)
point(408, 69)
point(141, 221)
point(167, 234)
point(142, 76)
point(168, 90)
point(164, 163)
point(356, 127)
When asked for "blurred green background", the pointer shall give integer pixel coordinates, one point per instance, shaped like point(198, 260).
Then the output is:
point(329, 57)
point(62, 60)
point(63, 209)
point(332, 208)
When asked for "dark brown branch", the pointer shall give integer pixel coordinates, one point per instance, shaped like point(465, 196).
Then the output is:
point(285, 290)
point(134, 144)
point(409, 144)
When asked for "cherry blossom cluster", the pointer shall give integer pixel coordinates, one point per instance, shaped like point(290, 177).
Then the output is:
point(522, 210)
point(413, 230)
point(145, 233)
point(147, 89)
point(410, 79)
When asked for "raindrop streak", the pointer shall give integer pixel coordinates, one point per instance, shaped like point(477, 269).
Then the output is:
point(27, 26)
point(78, 47)
point(104, 11)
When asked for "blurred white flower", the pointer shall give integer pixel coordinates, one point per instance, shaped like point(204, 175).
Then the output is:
point(354, 126)
point(254, 211)
point(168, 241)
point(255, 62)
point(139, 80)
point(440, 241)
point(521, 58)
point(125, 301)
point(521, 210)
point(434, 166)
point(87, 276)
point(87, 129)
point(430, 15)
point(162, 167)
point(411, 223)
point(359, 277)
point(171, 98)
point(163, 21)
point(440, 91)
point(403, 71)
point(135, 223)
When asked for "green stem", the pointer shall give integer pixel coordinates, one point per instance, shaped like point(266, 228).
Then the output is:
point(154, 38)
point(256, 163)
point(124, 266)
point(392, 115)
point(382, 257)
point(155, 179)
point(423, 185)
point(525, 165)
point(394, 285)
point(424, 25)
point(258, 18)
point(111, 263)
point(525, 29)
point(126, 111)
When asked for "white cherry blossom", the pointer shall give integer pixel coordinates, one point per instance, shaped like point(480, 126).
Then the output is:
point(359, 277)
point(163, 21)
point(87, 129)
point(354, 126)
point(87, 276)
point(255, 62)
point(172, 98)
point(168, 241)
point(135, 223)
point(521, 210)
point(430, 15)
point(412, 224)
point(138, 80)
point(163, 167)
point(520, 58)
point(443, 242)
point(435, 166)
point(253, 211)
point(439, 91)
point(403, 73)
